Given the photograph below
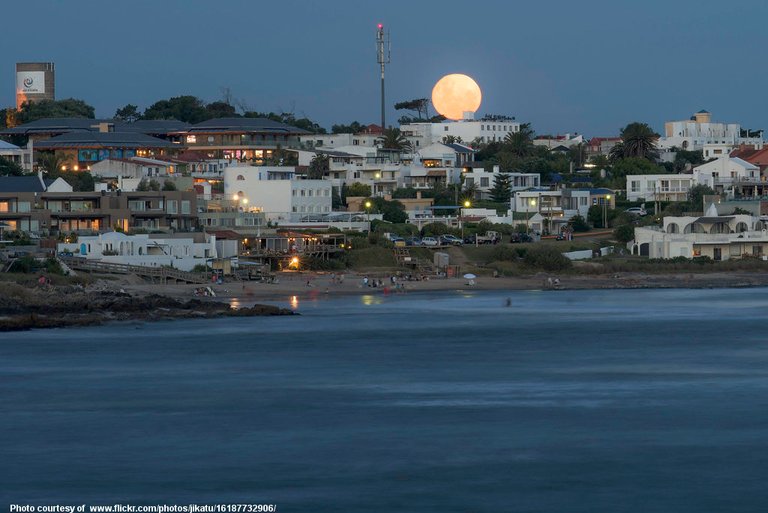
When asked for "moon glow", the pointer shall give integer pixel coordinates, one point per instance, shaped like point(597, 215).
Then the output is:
point(455, 94)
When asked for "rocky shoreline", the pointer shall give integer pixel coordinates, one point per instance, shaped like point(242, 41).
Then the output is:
point(23, 308)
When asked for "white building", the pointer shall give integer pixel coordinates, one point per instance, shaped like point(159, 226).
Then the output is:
point(668, 187)
point(270, 190)
point(715, 236)
point(136, 167)
point(336, 141)
point(424, 134)
point(182, 253)
point(567, 140)
point(20, 156)
point(557, 207)
point(723, 173)
point(358, 164)
point(695, 133)
point(484, 180)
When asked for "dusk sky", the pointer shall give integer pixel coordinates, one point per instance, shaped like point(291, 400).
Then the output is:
point(589, 67)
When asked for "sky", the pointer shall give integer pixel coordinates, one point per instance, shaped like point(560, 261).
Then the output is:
point(587, 67)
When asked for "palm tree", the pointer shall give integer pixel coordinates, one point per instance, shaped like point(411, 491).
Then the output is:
point(637, 140)
point(52, 163)
point(520, 143)
point(470, 191)
point(393, 139)
point(318, 167)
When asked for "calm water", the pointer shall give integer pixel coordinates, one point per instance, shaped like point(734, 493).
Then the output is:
point(572, 401)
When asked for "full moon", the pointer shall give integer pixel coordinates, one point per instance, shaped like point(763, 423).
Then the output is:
point(455, 94)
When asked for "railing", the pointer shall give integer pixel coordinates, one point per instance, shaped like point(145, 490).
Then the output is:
point(162, 273)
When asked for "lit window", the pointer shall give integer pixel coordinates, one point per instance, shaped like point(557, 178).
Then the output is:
point(191, 139)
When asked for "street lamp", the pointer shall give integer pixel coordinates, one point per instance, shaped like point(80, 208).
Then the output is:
point(467, 204)
point(532, 203)
point(368, 205)
point(605, 210)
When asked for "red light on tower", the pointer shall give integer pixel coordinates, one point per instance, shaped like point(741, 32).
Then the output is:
point(380, 26)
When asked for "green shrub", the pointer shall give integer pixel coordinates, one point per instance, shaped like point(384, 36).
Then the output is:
point(547, 258)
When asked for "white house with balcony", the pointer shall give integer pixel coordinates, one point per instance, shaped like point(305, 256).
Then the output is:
point(280, 198)
point(182, 253)
point(715, 236)
point(724, 173)
point(668, 187)
point(484, 180)
point(484, 131)
point(556, 207)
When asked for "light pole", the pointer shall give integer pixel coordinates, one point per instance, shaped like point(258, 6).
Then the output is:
point(605, 210)
point(368, 213)
point(467, 204)
point(532, 203)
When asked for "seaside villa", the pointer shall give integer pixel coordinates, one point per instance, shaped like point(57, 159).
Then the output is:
point(719, 237)
point(182, 253)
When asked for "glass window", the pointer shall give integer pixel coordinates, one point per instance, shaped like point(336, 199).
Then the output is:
point(185, 207)
point(172, 206)
point(23, 206)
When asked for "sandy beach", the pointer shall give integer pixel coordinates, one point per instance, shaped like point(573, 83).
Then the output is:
point(328, 285)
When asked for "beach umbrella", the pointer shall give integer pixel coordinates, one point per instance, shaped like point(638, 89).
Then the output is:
point(470, 276)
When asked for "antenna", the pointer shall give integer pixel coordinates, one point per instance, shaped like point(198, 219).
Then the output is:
point(383, 57)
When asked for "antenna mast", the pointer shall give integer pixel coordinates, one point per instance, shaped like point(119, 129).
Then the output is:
point(384, 51)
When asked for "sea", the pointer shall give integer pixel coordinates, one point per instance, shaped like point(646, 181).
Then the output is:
point(519, 401)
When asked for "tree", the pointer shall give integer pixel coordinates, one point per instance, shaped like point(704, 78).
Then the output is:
point(637, 140)
point(393, 211)
point(687, 160)
point(393, 139)
point(10, 168)
point(52, 163)
point(579, 224)
point(420, 106)
point(452, 139)
point(189, 109)
point(520, 143)
point(148, 185)
point(168, 185)
point(624, 233)
point(357, 189)
point(220, 110)
point(501, 192)
point(696, 195)
point(595, 216)
point(353, 128)
point(470, 191)
point(69, 108)
point(129, 113)
point(319, 167)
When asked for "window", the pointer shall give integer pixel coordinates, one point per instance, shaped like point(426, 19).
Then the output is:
point(240, 177)
point(303, 192)
point(186, 207)
point(484, 181)
point(172, 206)
point(309, 192)
point(191, 139)
point(293, 209)
point(445, 129)
point(23, 206)
point(5, 206)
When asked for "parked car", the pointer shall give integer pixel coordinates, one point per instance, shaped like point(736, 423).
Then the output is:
point(520, 237)
point(429, 241)
point(636, 211)
point(413, 241)
point(450, 240)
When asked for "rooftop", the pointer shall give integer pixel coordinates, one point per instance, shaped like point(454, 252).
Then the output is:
point(102, 140)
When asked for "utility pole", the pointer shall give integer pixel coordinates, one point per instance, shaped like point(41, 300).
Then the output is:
point(384, 51)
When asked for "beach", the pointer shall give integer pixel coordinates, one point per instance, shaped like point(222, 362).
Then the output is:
point(329, 284)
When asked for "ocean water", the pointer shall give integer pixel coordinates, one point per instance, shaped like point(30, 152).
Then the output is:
point(564, 401)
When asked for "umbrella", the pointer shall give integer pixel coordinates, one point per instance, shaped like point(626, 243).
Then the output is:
point(470, 276)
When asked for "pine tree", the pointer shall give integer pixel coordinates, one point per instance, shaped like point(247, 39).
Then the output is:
point(501, 192)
